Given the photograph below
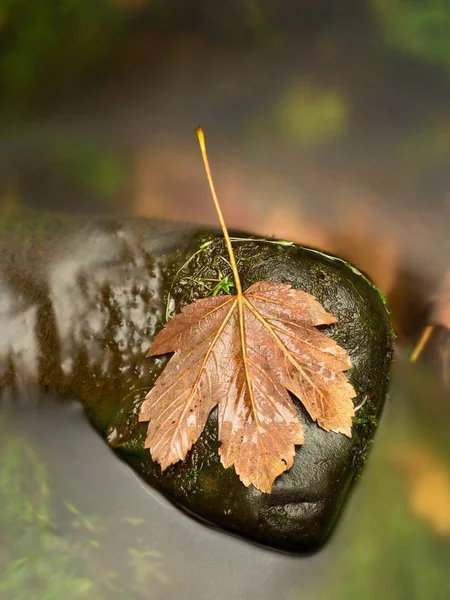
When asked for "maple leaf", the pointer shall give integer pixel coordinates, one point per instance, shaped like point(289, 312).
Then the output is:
point(243, 353)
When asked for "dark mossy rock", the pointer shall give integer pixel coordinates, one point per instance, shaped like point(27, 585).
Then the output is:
point(80, 303)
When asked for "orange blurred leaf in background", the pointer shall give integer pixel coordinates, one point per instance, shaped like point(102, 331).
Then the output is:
point(428, 480)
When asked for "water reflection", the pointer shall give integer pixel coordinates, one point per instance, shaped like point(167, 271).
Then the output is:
point(117, 519)
point(64, 491)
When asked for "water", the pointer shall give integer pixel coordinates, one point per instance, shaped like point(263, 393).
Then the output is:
point(123, 539)
point(193, 560)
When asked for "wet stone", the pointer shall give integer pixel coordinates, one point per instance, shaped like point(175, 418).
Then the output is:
point(80, 302)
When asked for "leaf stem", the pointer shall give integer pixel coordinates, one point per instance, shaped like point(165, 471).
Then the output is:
point(201, 141)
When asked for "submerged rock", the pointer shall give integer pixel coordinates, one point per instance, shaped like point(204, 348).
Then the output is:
point(80, 303)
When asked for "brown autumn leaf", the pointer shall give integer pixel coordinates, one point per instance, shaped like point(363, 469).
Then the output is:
point(243, 353)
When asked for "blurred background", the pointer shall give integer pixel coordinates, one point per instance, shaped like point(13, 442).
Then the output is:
point(328, 123)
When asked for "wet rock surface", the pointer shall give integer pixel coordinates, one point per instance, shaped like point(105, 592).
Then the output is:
point(80, 302)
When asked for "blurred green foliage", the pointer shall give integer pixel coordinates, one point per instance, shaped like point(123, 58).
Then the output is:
point(306, 116)
point(34, 561)
point(38, 562)
point(47, 44)
point(310, 116)
point(420, 28)
point(91, 163)
point(91, 171)
point(26, 499)
point(426, 145)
